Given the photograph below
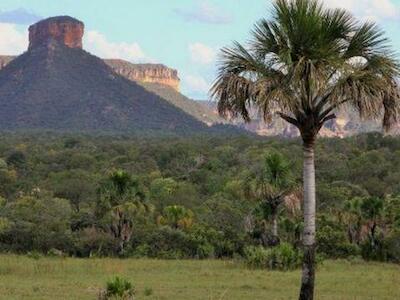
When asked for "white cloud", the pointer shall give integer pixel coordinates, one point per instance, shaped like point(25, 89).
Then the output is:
point(19, 16)
point(201, 53)
point(12, 41)
point(196, 84)
point(368, 9)
point(98, 44)
point(205, 12)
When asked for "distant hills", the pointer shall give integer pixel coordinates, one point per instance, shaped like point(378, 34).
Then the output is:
point(346, 124)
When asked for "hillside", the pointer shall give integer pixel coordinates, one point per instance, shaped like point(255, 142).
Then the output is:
point(191, 107)
point(157, 79)
point(57, 85)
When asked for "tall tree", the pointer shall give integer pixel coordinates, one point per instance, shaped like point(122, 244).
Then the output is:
point(305, 63)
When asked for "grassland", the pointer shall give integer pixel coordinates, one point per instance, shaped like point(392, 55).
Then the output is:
point(57, 278)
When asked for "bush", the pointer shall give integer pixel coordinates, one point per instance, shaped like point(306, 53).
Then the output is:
point(374, 251)
point(148, 292)
point(167, 243)
point(282, 257)
point(334, 244)
point(118, 288)
point(392, 246)
point(384, 249)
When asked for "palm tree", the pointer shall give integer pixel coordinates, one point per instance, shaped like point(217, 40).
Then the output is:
point(273, 183)
point(177, 216)
point(351, 214)
point(372, 209)
point(121, 203)
point(306, 63)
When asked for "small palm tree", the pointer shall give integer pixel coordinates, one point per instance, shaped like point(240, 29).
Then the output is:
point(306, 63)
point(177, 216)
point(273, 183)
point(120, 204)
point(352, 216)
point(372, 210)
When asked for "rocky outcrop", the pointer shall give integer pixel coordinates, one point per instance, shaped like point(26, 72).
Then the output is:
point(154, 73)
point(145, 73)
point(65, 30)
point(69, 32)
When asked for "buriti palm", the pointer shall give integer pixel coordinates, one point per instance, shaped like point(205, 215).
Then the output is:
point(305, 63)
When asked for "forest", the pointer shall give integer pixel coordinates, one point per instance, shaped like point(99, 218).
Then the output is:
point(196, 197)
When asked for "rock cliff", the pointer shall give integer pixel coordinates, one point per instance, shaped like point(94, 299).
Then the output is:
point(66, 30)
point(153, 73)
point(144, 73)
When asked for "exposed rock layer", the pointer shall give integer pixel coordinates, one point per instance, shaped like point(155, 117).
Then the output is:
point(146, 73)
point(153, 73)
point(66, 30)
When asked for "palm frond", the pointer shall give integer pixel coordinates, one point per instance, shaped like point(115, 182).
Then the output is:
point(307, 61)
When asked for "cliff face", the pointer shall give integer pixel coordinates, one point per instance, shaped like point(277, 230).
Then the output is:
point(65, 30)
point(145, 73)
point(149, 73)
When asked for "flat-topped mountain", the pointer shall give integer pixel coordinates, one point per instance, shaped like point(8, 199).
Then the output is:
point(55, 84)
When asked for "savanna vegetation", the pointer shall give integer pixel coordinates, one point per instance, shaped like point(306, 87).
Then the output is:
point(95, 196)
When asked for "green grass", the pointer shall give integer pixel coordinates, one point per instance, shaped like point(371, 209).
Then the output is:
point(57, 278)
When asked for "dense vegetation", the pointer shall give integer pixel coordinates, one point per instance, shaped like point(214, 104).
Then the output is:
point(194, 197)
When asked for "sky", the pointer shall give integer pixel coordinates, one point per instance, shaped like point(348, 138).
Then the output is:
point(183, 34)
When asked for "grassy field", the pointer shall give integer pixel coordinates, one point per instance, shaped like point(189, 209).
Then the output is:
point(57, 278)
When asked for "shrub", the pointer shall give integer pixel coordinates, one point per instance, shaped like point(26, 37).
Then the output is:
point(118, 288)
point(392, 246)
point(374, 251)
point(383, 249)
point(334, 244)
point(34, 255)
point(282, 257)
point(256, 257)
point(148, 292)
point(168, 243)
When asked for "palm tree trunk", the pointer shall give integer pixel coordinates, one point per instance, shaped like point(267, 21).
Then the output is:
point(309, 206)
point(275, 225)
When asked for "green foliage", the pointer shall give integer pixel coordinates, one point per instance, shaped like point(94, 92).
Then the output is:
point(177, 217)
point(119, 289)
point(113, 204)
point(392, 246)
point(332, 242)
point(148, 291)
point(282, 257)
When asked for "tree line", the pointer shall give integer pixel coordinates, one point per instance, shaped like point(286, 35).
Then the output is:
point(196, 197)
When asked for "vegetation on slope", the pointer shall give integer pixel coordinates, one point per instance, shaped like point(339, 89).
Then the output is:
point(194, 108)
point(59, 88)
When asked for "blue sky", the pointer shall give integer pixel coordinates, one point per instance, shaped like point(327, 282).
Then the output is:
point(183, 34)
